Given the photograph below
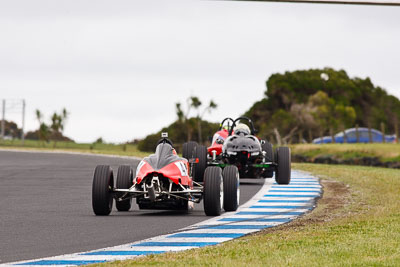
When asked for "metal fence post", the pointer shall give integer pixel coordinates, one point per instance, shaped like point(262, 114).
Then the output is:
point(3, 122)
point(332, 135)
point(357, 134)
point(23, 122)
point(370, 134)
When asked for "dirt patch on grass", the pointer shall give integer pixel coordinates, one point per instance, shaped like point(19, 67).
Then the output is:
point(332, 205)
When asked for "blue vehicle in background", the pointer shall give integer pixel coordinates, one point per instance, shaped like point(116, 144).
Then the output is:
point(351, 137)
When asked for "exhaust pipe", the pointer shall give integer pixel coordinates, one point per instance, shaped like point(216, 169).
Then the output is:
point(151, 193)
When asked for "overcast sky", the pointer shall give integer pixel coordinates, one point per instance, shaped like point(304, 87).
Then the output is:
point(119, 67)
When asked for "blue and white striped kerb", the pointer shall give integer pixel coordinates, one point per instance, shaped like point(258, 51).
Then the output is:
point(273, 205)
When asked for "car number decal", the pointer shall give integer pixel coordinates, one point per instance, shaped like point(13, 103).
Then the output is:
point(182, 168)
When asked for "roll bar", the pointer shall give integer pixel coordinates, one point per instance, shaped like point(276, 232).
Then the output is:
point(223, 121)
point(252, 129)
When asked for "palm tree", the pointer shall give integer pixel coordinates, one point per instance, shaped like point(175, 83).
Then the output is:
point(43, 129)
point(193, 102)
point(58, 122)
point(212, 105)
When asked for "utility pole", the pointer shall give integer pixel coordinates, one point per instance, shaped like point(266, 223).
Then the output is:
point(23, 122)
point(3, 122)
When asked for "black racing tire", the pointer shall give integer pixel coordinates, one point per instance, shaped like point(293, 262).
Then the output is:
point(200, 152)
point(269, 152)
point(230, 175)
point(124, 181)
point(188, 149)
point(283, 170)
point(213, 191)
point(103, 183)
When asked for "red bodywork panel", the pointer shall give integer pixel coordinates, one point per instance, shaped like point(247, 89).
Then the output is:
point(222, 134)
point(175, 171)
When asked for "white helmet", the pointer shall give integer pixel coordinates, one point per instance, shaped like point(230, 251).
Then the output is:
point(242, 128)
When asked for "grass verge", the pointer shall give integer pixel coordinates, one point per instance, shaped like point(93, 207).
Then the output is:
point(356, 223)
point(94, 148)
point(385, 152)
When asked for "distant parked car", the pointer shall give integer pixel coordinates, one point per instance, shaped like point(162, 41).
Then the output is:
point(8, 137)
point(351, 137)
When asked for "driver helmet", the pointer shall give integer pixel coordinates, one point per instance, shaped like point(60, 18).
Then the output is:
point(242, 128)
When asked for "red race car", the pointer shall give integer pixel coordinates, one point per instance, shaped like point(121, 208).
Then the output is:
point(236, 144)
point(202, 153)
point(164, 181)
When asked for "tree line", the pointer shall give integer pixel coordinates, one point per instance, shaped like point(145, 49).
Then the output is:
point(301, 105)
point(11, 129)
point(297, 107)
point(52, 130)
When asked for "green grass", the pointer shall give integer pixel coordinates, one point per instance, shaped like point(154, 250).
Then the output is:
point(385, 152)
point(356, 223)
point(96, 148)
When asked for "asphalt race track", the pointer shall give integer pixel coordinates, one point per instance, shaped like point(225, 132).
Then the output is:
point(45, 207)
